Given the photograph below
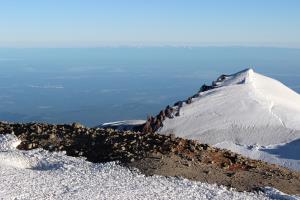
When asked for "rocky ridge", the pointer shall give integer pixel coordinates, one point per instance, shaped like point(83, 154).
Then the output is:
point(153, 123)
point(153, 153)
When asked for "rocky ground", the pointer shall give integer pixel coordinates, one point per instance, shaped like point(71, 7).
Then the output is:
point(157, 154)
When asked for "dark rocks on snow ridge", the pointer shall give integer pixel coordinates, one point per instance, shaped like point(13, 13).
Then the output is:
point(154, 123)
point(205, 88)
point(221, 78)
point(189, 100)
point(147, 127)
point(161, 115)
point(178, 104)
point(169, 112)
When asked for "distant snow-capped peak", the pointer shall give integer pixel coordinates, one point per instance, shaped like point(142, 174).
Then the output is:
point(245, 108)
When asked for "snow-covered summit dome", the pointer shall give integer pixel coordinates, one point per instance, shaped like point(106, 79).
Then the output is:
point(245, 107)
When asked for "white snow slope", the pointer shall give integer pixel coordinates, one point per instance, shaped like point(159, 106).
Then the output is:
point(248, 113)
point(122, 125)
point(38, 174)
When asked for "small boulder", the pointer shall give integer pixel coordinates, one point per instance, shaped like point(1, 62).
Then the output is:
point(77, 125)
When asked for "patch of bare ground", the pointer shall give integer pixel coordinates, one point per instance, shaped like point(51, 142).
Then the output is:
point(241, 176)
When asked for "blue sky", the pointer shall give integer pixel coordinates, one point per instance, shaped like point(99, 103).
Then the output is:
point(91, 23)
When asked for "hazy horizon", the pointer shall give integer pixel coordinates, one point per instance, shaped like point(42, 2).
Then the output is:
point(137, 46)
point(53, 23)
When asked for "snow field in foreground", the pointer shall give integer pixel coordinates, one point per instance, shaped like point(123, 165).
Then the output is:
point(43, 175)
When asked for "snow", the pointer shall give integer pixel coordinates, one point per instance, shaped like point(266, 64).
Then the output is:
point(245, 109)
point(125, 122)
point(43, 175)
point(122, 125)
point(288, 157)
point(275, 194)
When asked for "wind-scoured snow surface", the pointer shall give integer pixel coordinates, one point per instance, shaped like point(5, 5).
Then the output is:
point(246, 109)
point(38, 174)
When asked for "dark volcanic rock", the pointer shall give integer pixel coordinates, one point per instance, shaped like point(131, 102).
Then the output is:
point(153, 153)
point(189, 100)
point(205, 88)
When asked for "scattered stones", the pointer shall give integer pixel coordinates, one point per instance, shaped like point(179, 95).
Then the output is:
point(39, 130)
point(162, 154)
point(102, 145)
point(172, 137)
point(77, 125)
